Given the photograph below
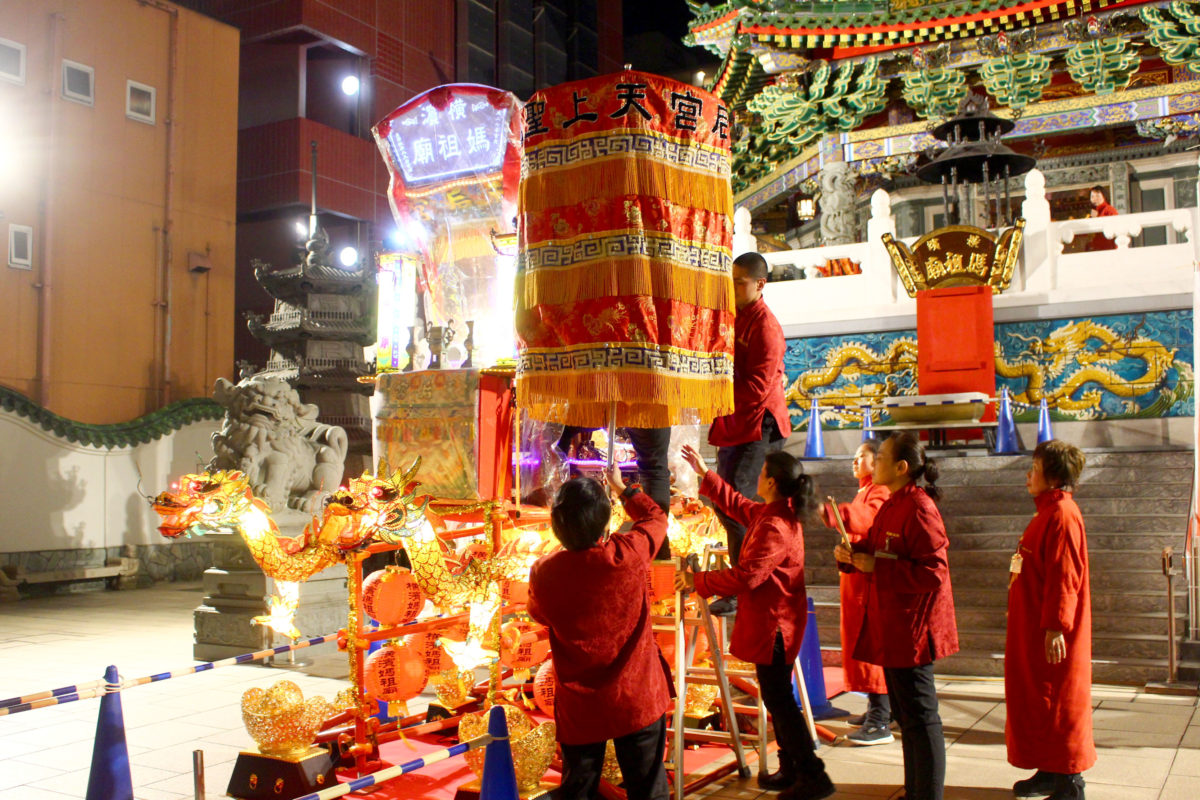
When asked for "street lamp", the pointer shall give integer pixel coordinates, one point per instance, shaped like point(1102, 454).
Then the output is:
point(350, 85)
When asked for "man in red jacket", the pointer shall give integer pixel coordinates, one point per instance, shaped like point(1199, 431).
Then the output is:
point(759, 422)
point(612, 680)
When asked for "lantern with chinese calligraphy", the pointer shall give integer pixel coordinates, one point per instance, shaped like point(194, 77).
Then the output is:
point(431, 653)
point(391, 596)
point(544, 685)
point(624, 298)
point(394, 675)
point(523, 643)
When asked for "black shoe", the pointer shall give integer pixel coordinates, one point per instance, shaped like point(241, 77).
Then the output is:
point(1042, 784)
point(1068, 787)
point(777, 781)
point(723, 606)
point(812, 787)
point(857, 721)
point(871, 734)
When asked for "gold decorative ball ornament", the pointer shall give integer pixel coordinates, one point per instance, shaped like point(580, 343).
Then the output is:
point(281, 722)
point(532, 746)
point(452, 687)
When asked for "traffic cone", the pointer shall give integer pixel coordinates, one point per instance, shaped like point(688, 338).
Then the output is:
point(814, 447)
point(1044, 432)
point(1006, 431)
point(868, 430)
point(814, 671)
point(110, 778)
point(499, 781)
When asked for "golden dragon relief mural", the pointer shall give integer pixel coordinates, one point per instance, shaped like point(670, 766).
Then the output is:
point(1083, 368)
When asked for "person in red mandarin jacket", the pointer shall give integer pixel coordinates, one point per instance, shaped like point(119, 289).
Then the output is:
point(759, 423)
point(612, 680)
point(1098, 197)
point(768, 581)
point(1048, 651)
point(860, 676)
point(910, 609)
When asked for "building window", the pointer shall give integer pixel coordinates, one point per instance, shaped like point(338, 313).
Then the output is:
point(139, 101)
point(78, 82)
point(12, 61)
point(20, 247)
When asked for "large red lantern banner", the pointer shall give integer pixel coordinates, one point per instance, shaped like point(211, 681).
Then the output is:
point(624, 233)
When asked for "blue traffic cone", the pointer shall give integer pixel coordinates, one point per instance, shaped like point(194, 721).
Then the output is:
point(499, 781)
point(1006, 431)
point(110, 778)
point(814, 671)
point(814, 446)
point(1044, 432)
point(868, 429)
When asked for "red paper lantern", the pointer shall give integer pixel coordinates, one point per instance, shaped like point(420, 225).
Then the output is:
point(394, 674)
point(431, 654)
point(544, 685)
point(523, 643)
point(392, 597)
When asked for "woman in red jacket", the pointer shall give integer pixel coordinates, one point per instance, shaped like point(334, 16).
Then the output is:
point(910, 609)
point(1048, 652)
point(768, 581)
point(860, 676)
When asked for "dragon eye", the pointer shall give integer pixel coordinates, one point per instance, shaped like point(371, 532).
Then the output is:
point(377, 492)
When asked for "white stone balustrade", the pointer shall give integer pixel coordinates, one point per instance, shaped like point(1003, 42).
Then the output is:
point(1046, 283)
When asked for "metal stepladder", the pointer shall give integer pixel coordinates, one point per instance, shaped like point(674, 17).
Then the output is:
point(719, 674)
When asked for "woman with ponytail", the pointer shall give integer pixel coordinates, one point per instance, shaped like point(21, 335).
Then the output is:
point(909, 620)
point(768, 581)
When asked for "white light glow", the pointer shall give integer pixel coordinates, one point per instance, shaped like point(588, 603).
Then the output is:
point(348, 256)
point(350, 85)
point(700, 76)
point(302, 228)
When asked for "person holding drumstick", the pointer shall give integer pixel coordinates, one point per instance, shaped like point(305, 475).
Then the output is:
point(854, 520)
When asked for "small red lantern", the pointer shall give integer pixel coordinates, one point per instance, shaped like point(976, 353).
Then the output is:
point(432, 655)
point(544, 685)
point(523, 643)
point(394, 674)
point(392, 597)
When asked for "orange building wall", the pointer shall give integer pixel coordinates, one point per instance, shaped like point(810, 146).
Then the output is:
point(93, 185)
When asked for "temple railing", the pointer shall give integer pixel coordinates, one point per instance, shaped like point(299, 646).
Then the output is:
point(1152, 276)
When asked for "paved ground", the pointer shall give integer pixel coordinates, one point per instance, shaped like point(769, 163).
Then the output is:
point(1149, 744)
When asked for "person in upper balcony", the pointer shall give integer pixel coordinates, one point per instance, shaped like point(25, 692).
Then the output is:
point(1048, 650)
point(861, 676)
point(909, 620)
point(759, 423)
point(1101, 208)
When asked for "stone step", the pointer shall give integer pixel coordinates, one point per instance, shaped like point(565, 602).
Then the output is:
point(1098, 523)
point(962, 504)
point(1135, 542)
point(1136, 671)
point(1100, 562)
point(1105, 646)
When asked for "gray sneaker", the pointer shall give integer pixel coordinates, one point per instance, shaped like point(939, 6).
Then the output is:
point(871, 734)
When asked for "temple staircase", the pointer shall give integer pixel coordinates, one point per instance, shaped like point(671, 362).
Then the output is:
point(1134, 504)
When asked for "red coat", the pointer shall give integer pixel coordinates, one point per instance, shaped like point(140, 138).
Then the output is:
point(1049, 720)
point(612, 679)
point(910, 608)
point(1099, 240)
point(857, 516)
point(758, 378)
point(768, 579)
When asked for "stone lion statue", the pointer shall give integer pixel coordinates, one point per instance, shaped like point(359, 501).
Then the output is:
point(291, 460)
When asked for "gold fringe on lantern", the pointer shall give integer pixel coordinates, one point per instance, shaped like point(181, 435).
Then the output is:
point(553, 188)
point(645, 398)
point(621, 277)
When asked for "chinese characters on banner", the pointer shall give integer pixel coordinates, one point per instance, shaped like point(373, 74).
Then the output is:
point(625, 233)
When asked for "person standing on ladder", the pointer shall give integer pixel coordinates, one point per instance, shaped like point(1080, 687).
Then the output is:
point(768, 579)
point(759, 423)
point(860, 676)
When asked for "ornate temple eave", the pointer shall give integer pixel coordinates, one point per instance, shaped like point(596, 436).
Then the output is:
point(296, 282)
point(1086, 112)
point(283, 329)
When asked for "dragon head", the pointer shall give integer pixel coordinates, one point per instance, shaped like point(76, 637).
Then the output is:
point(202, 500)
point(373, 507)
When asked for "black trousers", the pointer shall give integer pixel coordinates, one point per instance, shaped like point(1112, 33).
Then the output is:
point(740, 466)
point(915, 707)
point(651, 446)
point(640, 755)
point(791, 731)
